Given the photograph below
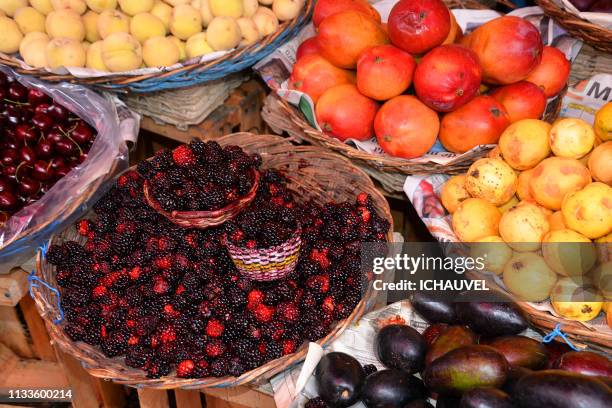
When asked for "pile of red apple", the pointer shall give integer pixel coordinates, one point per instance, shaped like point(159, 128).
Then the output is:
point(417, 78)
point(40, 142)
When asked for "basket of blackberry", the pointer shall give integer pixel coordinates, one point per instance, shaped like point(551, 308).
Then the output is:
point(149, 303)
point(264, 241)
point(201, 184)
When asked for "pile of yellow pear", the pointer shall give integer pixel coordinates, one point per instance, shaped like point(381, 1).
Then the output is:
point(539, 210)
point(123, 35)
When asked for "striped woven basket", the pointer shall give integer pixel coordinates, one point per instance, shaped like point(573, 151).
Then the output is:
point(184, 76)
point(267, 264)
point(313, 174)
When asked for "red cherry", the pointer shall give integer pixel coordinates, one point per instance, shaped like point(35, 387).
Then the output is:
point(82, 133)
point(6, 184)
point(42, 108)
point(27, 154)
point(17, 92)
point(42, 170)
point(25, 133)
point(54, 136)
point(44, 149)
point(61, 172)
point(37, 97)
point(9, 156)
point(8, 201)
point(58, 112)
point(65, 147)
point(58, 162)
point(82, 157)
point(28, 186)
point(9, 171)
point(42, 121)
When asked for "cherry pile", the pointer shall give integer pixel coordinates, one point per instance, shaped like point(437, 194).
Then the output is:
point(40, 142)
point(201, 176)
point(169, 299)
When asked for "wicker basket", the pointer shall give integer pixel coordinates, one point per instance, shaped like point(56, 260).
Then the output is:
point(597, 36)
point(267, 264)
point(313, 174)
point(205, 219)
point(188, 75)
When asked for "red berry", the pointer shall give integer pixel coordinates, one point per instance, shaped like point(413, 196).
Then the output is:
point(320, 257)
point(168, 335)
point(99, 291)
point(289, 312)
point(365, 214)
point(254, 298)
point(328, 305)
point(135, 272)
point(133, 340)
point(84, 227)
point(215, 348)
point(170, 311)
point(319, 283)
point(185, 368)
point(214, 328)
point(183, 156)
point(362, 198)
point(160, 285)
point(263, 313)
point(289, 346)
point(251, 244)
point(164, 262)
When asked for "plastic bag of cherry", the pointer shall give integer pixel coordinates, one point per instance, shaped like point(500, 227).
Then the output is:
point(59, 143)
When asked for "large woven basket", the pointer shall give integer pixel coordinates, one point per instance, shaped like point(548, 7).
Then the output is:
point(188, 75)
point(598, 36)
point(313, 174)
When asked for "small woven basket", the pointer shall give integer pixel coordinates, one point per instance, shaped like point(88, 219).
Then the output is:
point(267, 264)
point(184, 76)
point(313, 174)
point(597, 36)
point(205, 219)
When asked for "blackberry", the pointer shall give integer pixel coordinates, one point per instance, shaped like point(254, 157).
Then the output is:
point(115, 344)
point(316, 403)
point(162, 160)
point(370, 369)
point(158, 368)
point(219, 367)
point(57, 255)
point(145, 169)
point(274, 350)
point(316, 332)
point(235, 367)
point(213, 153)
point(75, 297)
point(198, 147)
point(138, 356)
point(213, 199)
point(125, 243)
point(278, 293)
point(75, 332)
point(165, 199)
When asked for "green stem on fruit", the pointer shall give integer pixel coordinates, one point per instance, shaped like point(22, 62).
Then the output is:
point(15, 102)
point(72, 140)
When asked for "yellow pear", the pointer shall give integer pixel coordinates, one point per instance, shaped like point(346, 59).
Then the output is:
point(65, 52)
point(121, 52)
point(9, 7)
point(266, 21)
point(90, 20)
point(145, 25)
point(160, 52)
point(78, 6)
point(266, 2)
point(226, 8)
point(111, 22)
point(175, 3)
point(29, 20)
point(65, 23)
point(186, 21)
point(44, 6)
point(249, 31)
point(100, 5)
point(223, 33)
point(181, 46)
point(133, 7)
point(94, 57)
point(287, 9)
point(197, 46)
point(86, 45)
point(32, 49)
point(11, 36)
point(162, 11)
point(249, 7)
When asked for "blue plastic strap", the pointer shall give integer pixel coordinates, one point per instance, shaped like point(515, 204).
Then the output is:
point(34, 282)
point(558, 333)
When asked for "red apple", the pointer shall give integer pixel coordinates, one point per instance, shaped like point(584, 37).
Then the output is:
point(308, 47)
point(326, 8)
point(417, 26)
point(448, 77)
point(314, 75)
